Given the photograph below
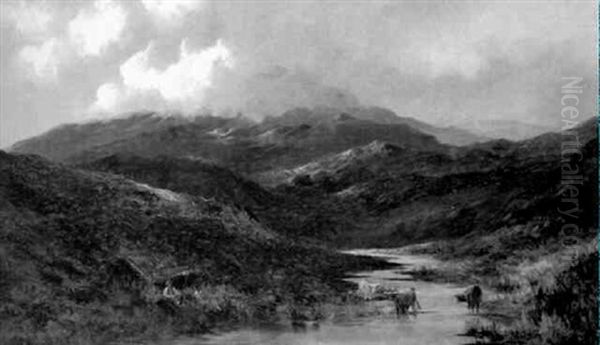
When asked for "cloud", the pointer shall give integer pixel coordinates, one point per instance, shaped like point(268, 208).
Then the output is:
point(181, 84)
point(164, 11)
point(107, 96)
point(43, 58)
point(185, 79)
point(93, 30)
point(443, 62)
point(89, 33)
point(30, 19)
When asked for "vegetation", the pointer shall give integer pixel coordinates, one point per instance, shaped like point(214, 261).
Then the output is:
point(561, 313)
point(255, 251)
point(84, 256)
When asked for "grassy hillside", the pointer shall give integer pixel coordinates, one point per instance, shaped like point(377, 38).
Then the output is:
point(286, 213)
point(556, 305)
point(383, 194)
point(192, 176)
point(414, 195)
point(84, 256)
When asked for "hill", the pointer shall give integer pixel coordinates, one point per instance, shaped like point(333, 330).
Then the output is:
point(200, 177)
point(411, 195)
point(384, 194)
point(84, 256)
point(445, 135)
point(507, 129)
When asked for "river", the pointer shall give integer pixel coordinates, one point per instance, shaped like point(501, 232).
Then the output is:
point(440, 322)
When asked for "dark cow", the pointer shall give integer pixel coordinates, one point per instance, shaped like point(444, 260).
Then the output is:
point(473, 296)
point(405, 300)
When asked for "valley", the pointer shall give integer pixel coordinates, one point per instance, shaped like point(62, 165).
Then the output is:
point(252, 216)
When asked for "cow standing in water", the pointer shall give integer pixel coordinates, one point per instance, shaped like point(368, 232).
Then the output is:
point(404, 301)
point(473, 296)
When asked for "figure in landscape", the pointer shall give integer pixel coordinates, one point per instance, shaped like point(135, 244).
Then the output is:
point(172, 293)
point(367, 290)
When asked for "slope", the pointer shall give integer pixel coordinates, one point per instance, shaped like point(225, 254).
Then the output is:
point(413, 195)
point(83, 256)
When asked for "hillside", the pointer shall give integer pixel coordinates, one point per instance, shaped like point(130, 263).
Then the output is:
point(85, 254)
point(411, 195)
point(507, 129)
point(383, 194)
point(293, 215)
point(200, 177)
point(66, 141)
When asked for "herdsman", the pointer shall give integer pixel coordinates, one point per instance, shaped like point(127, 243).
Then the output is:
point(171, 292)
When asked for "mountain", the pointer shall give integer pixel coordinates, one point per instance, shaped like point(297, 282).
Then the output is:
point(84, 256)
point(507, 129)
point(233, 143)
point(65, 141)
point(445, 135)
point(397, 195)
point(379, 193)
point(383, 194)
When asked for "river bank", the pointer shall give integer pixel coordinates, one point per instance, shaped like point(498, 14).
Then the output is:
point(508, 314)
point(538, 294)
point(441, 321)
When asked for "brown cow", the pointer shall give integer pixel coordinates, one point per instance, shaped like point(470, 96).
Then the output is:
point(405, 300)
point(473, 296)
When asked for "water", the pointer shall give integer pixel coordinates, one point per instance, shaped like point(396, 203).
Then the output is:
point(439, 323)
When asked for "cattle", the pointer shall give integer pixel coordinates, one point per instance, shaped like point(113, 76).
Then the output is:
point(473, 297)
point(367, 290)
point(403, 301)
point(461, 297)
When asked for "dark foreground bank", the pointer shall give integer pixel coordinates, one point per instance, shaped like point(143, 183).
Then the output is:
point(84, 257)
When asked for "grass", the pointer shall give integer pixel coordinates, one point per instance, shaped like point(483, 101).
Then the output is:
point(544, 294)
point(446, 273)
point(84, 256)
point(560, 310)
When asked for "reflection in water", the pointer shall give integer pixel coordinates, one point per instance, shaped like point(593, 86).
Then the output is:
point(438, 324)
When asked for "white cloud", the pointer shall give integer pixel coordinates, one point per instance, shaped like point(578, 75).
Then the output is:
point(30, 19)
point(43, 58)
point(166, 10)
point(181, 84)
point(185, 79)
point(107, 97)
point(93, 30)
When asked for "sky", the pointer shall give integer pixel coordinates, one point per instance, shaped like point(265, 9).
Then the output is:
point(442, 62)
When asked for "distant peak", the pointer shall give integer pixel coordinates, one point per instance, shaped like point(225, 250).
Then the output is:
point(345, 117)
point(379, 146)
